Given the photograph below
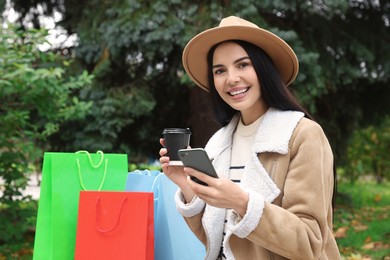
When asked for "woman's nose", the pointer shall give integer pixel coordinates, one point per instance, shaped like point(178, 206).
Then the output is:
point(233, 78)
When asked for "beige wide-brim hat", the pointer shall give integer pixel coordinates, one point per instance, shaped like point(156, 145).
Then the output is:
point(235, 28)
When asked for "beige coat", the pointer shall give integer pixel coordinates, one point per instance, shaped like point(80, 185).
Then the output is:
point(289, 180)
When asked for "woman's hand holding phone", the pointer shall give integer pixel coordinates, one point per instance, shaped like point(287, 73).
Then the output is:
point(198, 159)
point(220, 192)
point(204, 181)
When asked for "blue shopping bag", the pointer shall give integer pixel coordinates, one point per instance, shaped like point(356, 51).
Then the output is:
point(173, 238)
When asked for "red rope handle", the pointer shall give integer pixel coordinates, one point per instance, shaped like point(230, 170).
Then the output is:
point(98, 217)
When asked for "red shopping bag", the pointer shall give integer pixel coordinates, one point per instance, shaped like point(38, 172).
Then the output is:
point(115, 225)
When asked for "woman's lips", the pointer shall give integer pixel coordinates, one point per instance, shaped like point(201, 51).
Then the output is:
point(238, 91)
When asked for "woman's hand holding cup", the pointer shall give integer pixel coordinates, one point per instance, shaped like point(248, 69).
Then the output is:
point(173, 140)
point(174, 172)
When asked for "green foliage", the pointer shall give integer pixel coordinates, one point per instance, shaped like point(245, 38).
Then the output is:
point(144, 166)
point(135, 47)
point(134, 50)
point(364, 193)
point(368, 152)
point(18, 219)
point(361, 223)
point(130, 48)
point(36, 96)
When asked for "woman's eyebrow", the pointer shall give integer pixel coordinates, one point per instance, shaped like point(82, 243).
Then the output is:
point(241, 59)
point(235, 62)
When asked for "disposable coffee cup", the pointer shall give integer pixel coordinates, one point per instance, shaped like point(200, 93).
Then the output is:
point(176, 139)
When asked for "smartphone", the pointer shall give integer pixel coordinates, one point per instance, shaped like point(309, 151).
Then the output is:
point(198, 159)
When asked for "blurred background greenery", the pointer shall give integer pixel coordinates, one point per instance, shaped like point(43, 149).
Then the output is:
point(107, 75)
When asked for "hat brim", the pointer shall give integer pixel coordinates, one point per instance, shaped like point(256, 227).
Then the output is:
point(195, 53)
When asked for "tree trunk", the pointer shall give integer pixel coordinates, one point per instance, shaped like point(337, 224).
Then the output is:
point(201, 120)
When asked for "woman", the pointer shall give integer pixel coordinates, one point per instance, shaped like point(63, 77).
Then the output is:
point(273, 199)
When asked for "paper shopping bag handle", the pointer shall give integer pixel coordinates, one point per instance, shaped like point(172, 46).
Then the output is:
point(94, 166)
point(98, 210)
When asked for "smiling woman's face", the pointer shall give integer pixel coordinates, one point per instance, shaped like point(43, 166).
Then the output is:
point(236, 81)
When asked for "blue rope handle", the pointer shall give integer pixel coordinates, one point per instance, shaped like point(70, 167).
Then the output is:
point(93, 166)
point(155, 180)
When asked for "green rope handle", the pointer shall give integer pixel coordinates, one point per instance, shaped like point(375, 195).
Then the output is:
point(90, 158)
point(94, 166)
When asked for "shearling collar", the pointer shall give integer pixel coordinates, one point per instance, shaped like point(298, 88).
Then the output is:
point(273, 135)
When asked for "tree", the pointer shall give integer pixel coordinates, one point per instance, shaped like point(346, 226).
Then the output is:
point(134, 49)
point(36, 96)
point(368, 153)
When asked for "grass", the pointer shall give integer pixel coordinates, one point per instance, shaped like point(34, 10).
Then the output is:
point(362, 221)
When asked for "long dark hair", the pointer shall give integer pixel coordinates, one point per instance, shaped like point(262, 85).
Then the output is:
point(272, 87)
point(273, 90)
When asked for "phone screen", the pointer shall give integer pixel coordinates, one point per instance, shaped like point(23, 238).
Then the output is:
point(198, 159)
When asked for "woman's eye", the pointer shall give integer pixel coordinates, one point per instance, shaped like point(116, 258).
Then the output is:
point(243, 65)
point(218, 71)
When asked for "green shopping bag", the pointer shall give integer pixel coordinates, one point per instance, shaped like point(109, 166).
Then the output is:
point(64, 175)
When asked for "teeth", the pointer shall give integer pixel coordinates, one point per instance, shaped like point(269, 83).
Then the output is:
point(233, 93)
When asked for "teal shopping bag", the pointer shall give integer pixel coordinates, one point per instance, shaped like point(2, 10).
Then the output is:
point(64, 175)
point(173, 239)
